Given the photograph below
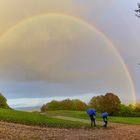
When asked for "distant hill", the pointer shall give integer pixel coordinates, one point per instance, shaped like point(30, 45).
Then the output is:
point(30, 108)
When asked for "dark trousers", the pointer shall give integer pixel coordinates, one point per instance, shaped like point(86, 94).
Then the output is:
point(93, 120)
point(105, 121)
point(105, 125)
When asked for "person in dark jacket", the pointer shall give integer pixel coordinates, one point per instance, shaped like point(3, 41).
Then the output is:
point(92, 114)
point(105, 119)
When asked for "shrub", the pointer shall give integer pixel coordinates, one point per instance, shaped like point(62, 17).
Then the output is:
point(129, 110)
point(126, 110)
point(64, 105)
point(137, 107)
point(3, 102)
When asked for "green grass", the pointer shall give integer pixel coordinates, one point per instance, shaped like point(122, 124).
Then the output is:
point(37, 119)
point(126, 120)
point(68, 113)
point(74, 114)
point(83, 115)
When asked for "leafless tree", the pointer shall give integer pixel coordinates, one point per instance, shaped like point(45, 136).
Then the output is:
point(138, 11)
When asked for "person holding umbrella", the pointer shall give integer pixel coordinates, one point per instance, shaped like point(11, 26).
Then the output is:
point(92, 114)
point(105, 119)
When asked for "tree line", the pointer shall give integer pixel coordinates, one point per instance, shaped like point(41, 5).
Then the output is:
point(104, 103)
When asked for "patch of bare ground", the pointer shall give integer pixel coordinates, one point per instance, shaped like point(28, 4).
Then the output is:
point(12, 131)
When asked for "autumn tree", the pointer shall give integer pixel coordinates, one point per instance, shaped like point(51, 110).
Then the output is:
point(66, 104)
point(108, 103)
point(78, 105)
point(97, 103)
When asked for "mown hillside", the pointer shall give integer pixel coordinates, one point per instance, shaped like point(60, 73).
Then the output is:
point(35, 118)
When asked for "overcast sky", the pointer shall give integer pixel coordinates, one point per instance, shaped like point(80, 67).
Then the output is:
point(56, 56)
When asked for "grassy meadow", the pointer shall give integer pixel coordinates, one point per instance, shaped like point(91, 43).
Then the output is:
point(83, 115)
point(48, 118)
point(35, 118)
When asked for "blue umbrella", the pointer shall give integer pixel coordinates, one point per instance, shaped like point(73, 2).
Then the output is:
point(105, 114)
point(91, 111)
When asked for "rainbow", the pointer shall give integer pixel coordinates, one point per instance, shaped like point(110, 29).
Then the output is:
point(89, 26)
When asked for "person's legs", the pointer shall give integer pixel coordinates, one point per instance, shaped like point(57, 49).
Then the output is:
point(91, 118)
point(105, 121)
point(94, 122)
point(91, 123)
point(105, 125)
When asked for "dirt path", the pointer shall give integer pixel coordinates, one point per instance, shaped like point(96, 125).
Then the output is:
point(85, 120)
point(72, 119)
point(11, 131)
point(76, 119)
